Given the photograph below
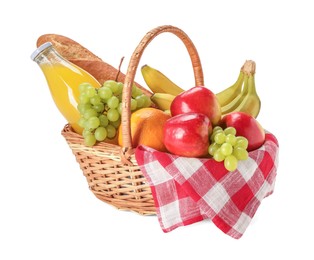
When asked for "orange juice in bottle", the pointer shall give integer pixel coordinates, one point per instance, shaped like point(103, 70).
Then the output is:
point(63, 78)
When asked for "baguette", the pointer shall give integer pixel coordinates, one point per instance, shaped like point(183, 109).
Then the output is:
point(84, 58)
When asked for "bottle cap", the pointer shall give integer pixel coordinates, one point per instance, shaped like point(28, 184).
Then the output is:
point(40, 49)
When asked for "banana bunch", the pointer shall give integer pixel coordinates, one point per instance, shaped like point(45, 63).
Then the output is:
point(241, 96)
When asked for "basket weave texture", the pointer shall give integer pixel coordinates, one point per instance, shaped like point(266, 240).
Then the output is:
point(111, 171)
point(122, 186)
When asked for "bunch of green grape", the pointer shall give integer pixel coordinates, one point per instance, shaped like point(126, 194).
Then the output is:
point(227, 147)
point(101, 109)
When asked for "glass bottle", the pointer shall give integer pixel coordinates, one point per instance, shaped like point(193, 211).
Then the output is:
point(63, 78)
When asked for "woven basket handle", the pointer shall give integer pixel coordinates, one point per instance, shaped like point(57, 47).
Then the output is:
point(127, 149)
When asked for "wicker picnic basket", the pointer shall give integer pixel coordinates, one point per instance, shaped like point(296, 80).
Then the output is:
point(111, 171)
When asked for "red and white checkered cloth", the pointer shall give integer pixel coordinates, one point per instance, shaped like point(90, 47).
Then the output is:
point(188, 190)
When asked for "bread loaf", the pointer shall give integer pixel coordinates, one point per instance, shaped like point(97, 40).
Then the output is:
point(82, 57)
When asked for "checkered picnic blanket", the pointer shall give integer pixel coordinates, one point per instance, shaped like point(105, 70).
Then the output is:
point(188, 190)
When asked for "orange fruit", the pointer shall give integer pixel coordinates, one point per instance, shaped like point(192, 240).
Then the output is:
point(147, 128)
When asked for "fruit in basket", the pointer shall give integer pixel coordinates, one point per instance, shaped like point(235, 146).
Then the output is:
point(251, 104)
point(158, 82)
point(237, 97)
point(198, 100)
point(247, 126)
point(100, 110)
point(162, 100)
point(228, 147)
point(242, 95)
point(147, 128)
point(188, 134)
point(227, 95)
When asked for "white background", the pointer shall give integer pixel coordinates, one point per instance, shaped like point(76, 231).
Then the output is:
point(47, 211)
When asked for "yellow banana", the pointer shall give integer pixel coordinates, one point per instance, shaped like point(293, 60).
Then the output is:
point(251, 104)
point(227, 95)
point(247, 100)
point(238, 98)
point(158, 82)
point(163, 100)
point(241, 96)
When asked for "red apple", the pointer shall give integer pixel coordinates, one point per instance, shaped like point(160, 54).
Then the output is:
point(197, 100)
point(188, 134)
point(246, 126)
